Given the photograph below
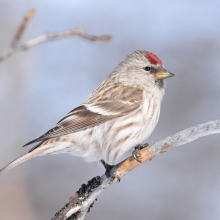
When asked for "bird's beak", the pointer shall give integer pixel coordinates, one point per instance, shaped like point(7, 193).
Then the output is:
point(163, 74)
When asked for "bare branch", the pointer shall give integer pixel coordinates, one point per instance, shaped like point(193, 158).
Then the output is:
point(78, 210)
point(61, 34)
point(47, 37)
point(22, 27)
point(168, 143)
point(80, 204)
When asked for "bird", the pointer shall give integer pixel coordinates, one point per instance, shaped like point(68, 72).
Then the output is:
point(116, 117)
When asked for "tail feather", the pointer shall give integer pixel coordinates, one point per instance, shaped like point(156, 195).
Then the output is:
point(22, 159)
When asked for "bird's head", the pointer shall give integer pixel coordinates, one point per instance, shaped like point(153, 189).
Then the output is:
point(144, 69)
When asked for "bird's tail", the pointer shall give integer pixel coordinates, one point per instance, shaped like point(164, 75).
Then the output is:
point(22, 159)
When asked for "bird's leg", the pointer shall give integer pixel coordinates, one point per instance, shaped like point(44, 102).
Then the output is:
point(107, 168)
point(137, 149)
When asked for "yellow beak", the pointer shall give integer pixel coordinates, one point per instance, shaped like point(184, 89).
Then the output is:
point(163, 74)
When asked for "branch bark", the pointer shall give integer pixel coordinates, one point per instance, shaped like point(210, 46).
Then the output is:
point(80, 204)
point(16, 46)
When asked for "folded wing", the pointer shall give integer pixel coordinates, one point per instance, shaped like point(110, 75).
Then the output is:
point(96, 110)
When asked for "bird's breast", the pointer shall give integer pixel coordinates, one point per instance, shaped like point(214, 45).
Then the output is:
point(150, 111)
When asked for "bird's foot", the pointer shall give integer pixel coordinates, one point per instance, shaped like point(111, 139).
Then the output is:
point(137, 149)
point(108, 173)
point(108, 170)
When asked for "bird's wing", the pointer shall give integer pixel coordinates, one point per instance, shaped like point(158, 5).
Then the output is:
point(96, 110)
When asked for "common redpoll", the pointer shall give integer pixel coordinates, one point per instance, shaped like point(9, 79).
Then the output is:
point(120, 114)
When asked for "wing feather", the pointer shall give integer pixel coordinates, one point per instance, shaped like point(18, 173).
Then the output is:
point(96, 110)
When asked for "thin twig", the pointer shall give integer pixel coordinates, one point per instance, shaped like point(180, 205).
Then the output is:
point(47, 37)
point(61, 34)
point(22, 27)
point(79, 211)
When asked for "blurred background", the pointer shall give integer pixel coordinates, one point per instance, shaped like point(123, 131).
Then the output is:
point(40, 86)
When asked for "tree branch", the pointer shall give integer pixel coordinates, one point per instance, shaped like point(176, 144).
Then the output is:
point(15, 46)
point(22, 27)
point(80, 204)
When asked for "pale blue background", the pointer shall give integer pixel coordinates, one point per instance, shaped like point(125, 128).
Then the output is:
point(38, 87)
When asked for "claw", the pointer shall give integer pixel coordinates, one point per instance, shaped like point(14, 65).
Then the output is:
point(135, 157)
point(137, 149)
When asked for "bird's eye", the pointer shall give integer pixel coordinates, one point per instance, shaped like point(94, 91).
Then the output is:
point(147, 68)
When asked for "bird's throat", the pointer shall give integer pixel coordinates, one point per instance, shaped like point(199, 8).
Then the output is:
point(159, 83)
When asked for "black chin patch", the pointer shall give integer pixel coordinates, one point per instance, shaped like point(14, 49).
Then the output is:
point(159, 83)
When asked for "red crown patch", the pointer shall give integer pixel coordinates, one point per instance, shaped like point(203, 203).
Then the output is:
point(153, 59)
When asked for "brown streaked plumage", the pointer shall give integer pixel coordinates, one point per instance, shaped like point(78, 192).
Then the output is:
point(121, 113)
point(114, 105)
